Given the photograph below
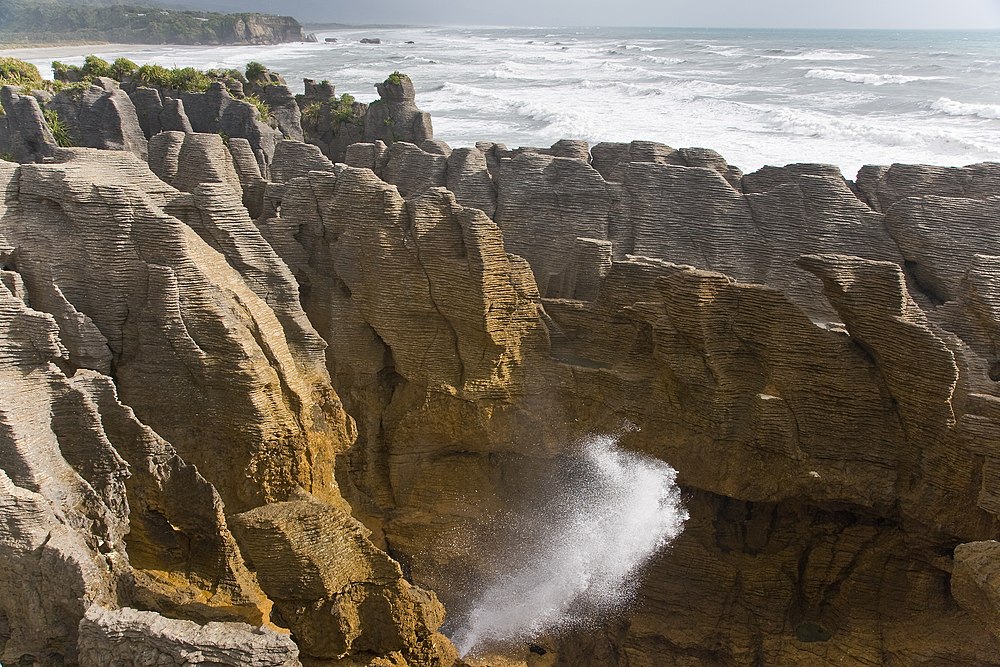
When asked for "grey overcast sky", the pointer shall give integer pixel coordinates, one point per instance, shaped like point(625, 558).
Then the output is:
point(660, 13)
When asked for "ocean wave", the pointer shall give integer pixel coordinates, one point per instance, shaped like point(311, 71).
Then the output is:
point(633, 70)
point(892, 135)
point(638, 47)
point(659, 60)
point(512, 71)
point(612, 66)
point(724, 50)
point(558, 118)
point(504, 74)
point(868, 78)
point(819, 55)
point(953, 108)
point(417, 59)
point(630, 89)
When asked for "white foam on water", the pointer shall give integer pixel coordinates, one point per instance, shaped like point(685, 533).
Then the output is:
point(661, 60)
point(953, 108)
point(607, 518)
point(758, 97)
point(868, 78)
point(819, 55)
point(875, 132)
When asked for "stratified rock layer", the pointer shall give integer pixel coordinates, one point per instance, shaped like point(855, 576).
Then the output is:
point(132, 350)
point(816, 357)
point(827, 403)
point(130, 637)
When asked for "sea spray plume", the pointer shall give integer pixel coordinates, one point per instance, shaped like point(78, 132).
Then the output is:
point(607, 517)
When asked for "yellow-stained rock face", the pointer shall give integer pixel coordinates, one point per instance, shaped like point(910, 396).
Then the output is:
point(168, 380)
point(187, 335)
point(311, 420)
point(828, 419)
point(336, 592)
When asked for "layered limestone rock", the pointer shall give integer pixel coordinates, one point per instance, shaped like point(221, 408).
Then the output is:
point(429, 321)
point(293, 159)
point(62, 494)
point(334, 124)
point(830, 422)
point(686, 206)
point(130, 637)
point(222, 109)
point(413, 170)
point(881, 187)
point(158, 113)
point(248, 170)
point(133, 349)
point(468, 177)
point(544, 201)
point(612, 159)
point(102, 116)
point(284, 108)
point(975, 581)
point(24, 134)
point(395, 116)
point(939, 238)
point(263, 424)
point(216, 111)
point(817, 359)
point(355, 599)
point(201, 158)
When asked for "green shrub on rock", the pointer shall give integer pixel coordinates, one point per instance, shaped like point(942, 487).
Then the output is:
point(68, 74)
point(60, 132)
point(344, 110)
point(122, 68)
point(255, 71)
point(396, 78)
point(94, 67)
point(311, 112)
point(189, 79)
point(226, 75)
point(155, 76)
point(14, 72)
point(262, 108)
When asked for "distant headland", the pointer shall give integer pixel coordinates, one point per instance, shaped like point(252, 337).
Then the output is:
point(35, 22)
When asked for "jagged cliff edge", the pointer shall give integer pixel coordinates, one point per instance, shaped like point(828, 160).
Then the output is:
point(816, 357)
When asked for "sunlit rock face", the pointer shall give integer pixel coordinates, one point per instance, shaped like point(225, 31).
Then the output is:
point(152, 391)
point(614, 406)
point(772, 337)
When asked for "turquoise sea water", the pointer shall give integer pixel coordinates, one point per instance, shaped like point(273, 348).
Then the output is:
point(757, 96)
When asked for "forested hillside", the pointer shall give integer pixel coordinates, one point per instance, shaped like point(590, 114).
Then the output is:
point(45, 21)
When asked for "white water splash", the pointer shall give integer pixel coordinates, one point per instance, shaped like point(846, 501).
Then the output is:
point(606, 518)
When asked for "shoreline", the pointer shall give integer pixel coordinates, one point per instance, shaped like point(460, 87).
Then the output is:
point(60, 48)
point(48, 45)
point(800, 102)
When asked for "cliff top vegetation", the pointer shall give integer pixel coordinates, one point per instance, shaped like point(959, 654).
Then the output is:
point(40, 21)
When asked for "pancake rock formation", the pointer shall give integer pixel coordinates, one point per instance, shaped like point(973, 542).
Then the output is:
point(259, 398)
point(151, 395)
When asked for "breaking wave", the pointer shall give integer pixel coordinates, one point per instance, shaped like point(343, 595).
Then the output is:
point(604, 518)
point(865, 77)
point(953, 108)
point(819, 55)
point(816, 125)
point(759, 97)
